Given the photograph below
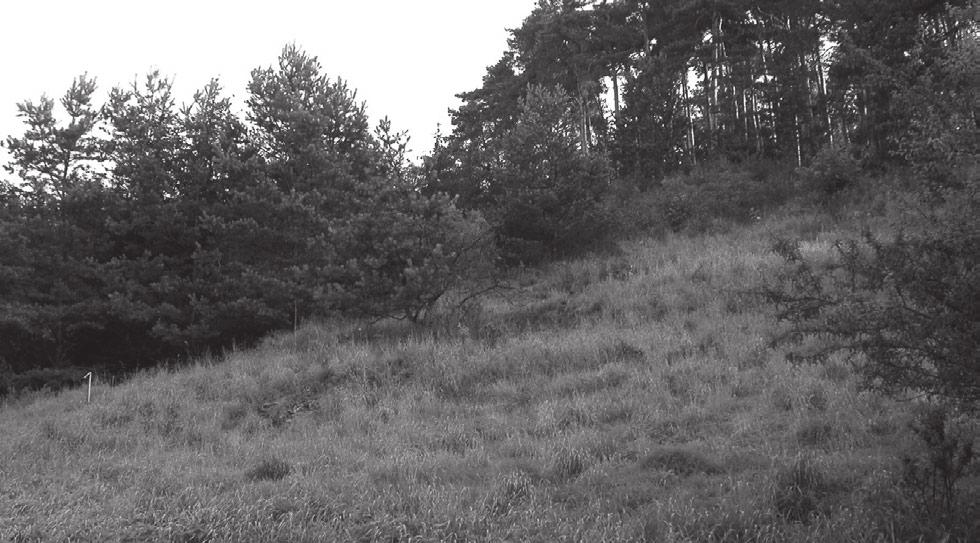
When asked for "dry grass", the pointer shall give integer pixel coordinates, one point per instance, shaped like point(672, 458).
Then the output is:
point(626, 398)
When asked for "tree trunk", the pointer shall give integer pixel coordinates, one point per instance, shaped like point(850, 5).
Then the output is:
point(796, 137)
point(745, 115)
point(766, 79)
point(708, 113)
point(584, 127)
point(717, 52)
point(692, 152)
point(822, 90)
point(615, 82)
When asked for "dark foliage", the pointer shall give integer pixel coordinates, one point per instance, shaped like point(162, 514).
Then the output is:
point(40, 379)
point(536, 182)
point(930, 478)
point(908, 303)
point(186, 230)
point(721, 192)
point(832, 171)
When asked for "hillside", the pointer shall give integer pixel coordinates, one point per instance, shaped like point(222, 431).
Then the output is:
point(630, 397)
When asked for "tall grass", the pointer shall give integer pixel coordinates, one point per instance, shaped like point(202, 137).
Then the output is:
point(631, 397)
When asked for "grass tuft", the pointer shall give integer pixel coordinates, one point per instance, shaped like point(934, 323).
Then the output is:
point(508, 491)
point(567, 463)
point(815, 432)
point(681, 461)
point(268, 469)
point(800, 490)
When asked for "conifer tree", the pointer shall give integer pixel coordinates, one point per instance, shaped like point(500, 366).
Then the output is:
point(52, 234)
point(546, 192)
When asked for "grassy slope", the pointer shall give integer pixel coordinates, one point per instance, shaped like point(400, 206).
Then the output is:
point(629, 397)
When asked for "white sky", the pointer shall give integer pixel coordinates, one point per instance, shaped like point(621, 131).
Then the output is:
point(407, 59)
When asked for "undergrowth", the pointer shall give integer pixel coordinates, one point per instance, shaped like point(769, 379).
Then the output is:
point(628, 397)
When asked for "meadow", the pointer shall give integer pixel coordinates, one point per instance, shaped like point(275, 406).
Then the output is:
point(634, 395)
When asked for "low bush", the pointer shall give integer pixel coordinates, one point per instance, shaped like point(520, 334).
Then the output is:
point(832, 170)
point(401, 256)
point(931, 475)
point(907, 305)
point(719, 193)
point(52, 379)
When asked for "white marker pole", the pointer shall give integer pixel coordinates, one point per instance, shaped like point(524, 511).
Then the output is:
point(89, 376)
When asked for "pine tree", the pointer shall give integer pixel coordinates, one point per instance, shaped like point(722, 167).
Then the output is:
point(546, 192)
point(52, 234)
point(313, 133)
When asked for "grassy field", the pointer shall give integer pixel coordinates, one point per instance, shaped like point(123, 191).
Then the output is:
point(625, 397)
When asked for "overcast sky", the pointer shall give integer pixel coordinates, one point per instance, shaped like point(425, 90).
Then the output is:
point(406, 58)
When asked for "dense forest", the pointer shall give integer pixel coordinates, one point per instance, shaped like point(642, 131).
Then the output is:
point(140, 231)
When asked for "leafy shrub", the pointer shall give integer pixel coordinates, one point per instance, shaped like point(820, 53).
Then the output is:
point(931, 476)
point(942, 138)
point(832, 170)
point(39, 379)
point(532, 177)
point(637, 212)
point(404, 252)
point(719, 192)
point(908, 305)
point(932, 495)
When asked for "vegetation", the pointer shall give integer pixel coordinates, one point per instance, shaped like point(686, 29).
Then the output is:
point(139, 232)
point(907, 300)
point(187, 231)
point(628, 397)
point(750, 312)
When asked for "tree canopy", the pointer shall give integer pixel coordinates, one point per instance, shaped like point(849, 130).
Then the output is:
point(141, 231)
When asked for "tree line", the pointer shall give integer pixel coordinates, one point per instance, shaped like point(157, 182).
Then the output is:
point(141, 231)
point(659, 86)
point(613, 96)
